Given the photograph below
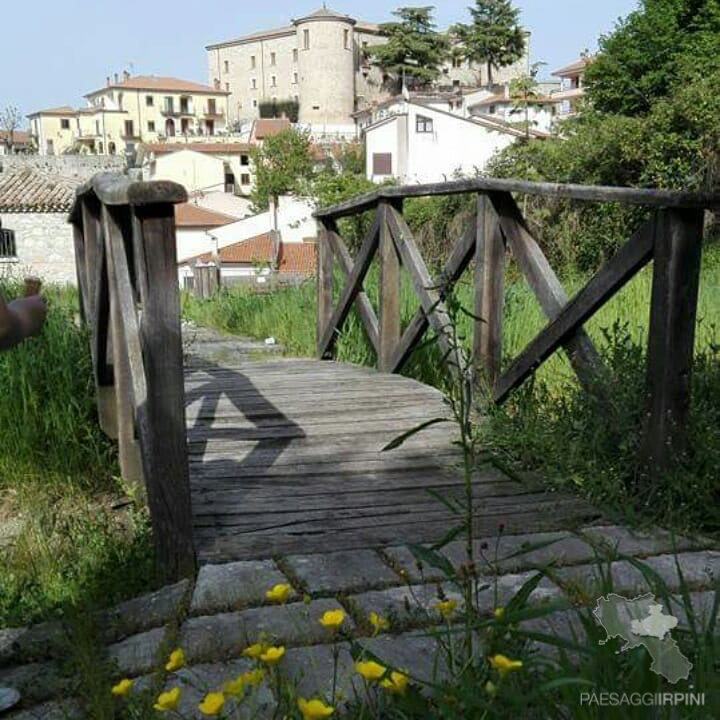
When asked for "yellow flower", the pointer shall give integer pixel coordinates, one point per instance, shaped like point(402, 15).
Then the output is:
point(273, 655)
point(279, 593)
point(504, 665)
point(498, 613)
point(446, 608)
point(168, 700)
point(378, 623)
point(253, 677)
point(212, 704)
point(370, 670)
point(396, 683)
point(234, 688)
point(122, 688)
point(490, 688)
point(314, 709)
point(332, 619)
point(255, 651)
point(176, 661)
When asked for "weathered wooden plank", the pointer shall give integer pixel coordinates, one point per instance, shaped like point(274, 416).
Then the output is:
point(459, 259)
point(547, 288)
point(389, 291)
point(489, 294)
point(324, 284)
point(362, 302)
point(611, 278)
point(353, 286)
point(671, 338)
point(81, 269)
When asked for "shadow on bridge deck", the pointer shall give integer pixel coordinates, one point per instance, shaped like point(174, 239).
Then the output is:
point(285, 457)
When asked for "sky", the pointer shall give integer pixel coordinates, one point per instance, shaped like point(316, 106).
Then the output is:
point(63, 50)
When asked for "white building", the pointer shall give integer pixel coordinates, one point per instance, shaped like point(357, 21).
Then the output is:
point(416, 143)
point(572, 90)
point(541, 111)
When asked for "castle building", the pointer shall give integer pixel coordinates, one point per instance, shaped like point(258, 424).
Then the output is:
point(320, 61)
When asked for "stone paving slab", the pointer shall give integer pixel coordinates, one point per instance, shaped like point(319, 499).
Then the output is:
point(232, 586)
point(226, 635)
point(311, 671)
point(341, 572)
point(413, 653)
point(36, 682)
point(639, 543)
point(139, 653)
point(56, 710)
point(36, 642)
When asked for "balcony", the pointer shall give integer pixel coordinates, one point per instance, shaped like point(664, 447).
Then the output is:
point(210, 114)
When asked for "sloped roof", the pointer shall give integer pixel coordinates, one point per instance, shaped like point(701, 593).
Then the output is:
point(501, 99)
point(160, 84)
point(573, 68)
point(297, 258)
point(63, 110)
point(20, 137)
point(267, 127)
point(27, 189)
point(189, 215)
point(254, 249)
point(325, 13)
point(261, 34)
point(210, 148)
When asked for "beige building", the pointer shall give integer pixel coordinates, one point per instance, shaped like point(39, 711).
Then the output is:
point(321, 61)
point(128, 111)
point(572, 89)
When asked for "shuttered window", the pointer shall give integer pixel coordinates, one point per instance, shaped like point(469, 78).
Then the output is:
point(382, 163)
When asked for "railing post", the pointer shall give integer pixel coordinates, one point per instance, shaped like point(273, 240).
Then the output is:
point(324, 278)
point(489, 293)
point(671, 337)
point(389, 296)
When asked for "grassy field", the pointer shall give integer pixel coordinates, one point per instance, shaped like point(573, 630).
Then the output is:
point(548, 426)
point(70, 537)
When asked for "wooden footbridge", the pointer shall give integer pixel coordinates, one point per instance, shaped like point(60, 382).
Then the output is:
point(248, 459)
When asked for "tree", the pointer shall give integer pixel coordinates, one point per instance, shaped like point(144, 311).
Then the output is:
point(494, 36)
point(282, 163)
point(523, 90)
point(9, 122)
point(414, 50)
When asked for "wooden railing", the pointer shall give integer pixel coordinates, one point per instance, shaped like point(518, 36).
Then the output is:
point(125, 254)
point(671, 238)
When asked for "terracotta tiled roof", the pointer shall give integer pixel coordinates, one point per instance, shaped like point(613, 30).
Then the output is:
point(255, 249)
point(64, 110)
point(297, 258)
point(269, 126)
point(188, 215)
point(26, 189)
point(160, 84)
point(500, 99)
point(573, 68)
point(20, 137)
point(211, 148)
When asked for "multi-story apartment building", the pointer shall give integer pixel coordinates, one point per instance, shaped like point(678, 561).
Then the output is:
point(321, 61)
point(128, 111)
point(572, 89)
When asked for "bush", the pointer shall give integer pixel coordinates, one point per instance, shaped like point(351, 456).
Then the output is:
point(280, 108)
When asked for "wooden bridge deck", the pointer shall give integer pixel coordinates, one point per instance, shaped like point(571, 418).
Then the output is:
point(285, 456)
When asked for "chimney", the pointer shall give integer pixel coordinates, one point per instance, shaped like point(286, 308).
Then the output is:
point(126, 75)
point(117, 79)
point(107, 80)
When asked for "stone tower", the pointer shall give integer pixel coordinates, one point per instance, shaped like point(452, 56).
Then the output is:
point(326, 67)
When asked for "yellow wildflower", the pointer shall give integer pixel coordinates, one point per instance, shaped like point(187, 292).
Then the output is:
point(499, 613)
point(176, 661)
point(314, 709)
point(369, 670)
point(396, 683)
point(253, 677)
point(122, 688)
point(234, 688)
point(279, 593)
point(446, 608)
point(504, 665)
point(332, 619)
point(255, 651)
point(490, 688)
point(212, 704)
point(273, 655)
point(168, 700)
point(378, 623)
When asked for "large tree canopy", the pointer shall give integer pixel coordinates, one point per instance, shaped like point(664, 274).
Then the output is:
point(494, 36)
point(414, 47)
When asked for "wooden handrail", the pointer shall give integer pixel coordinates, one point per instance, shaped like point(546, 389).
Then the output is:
point(125, 251)
point(589, 193)
point(671, 237)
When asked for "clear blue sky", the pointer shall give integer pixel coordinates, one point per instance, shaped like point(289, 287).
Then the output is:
point(62, 50)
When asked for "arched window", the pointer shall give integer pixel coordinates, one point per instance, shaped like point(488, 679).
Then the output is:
point(170, 127)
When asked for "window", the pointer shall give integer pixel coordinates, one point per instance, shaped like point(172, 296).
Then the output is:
point(295, 78)
point(185, 106)
point(184, 126)
point(273, 81)
point(212, 110)
point(210, 127)
point(245, 179)
point(315, 107)
point(227, 87)
point(382, 163)
point(245, 160)
point(253, 83)
point(295, 55)
point(273, 59)
point(151, 126)
point(457, 62)
point(129, 129)
point(65, 124)
point(423, 124)
point(226, 65)
point(492, 109)
point(149, 100)
point(169, 105)
point(7, 243)
point(252, 62)
point(229, 179)
point(346, 39)
point(254, 103)
point(306, 39)
point(120, 100)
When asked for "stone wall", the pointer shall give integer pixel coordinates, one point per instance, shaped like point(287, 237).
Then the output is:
point(44, 246)
point(76, 166)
